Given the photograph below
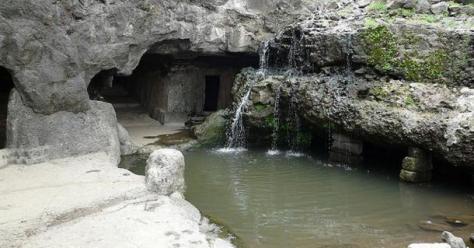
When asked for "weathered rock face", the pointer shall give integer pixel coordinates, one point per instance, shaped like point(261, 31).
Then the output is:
point(42, 137)
point(64, 44)
point(387, 77)
point(430, 116)
point(54, 48)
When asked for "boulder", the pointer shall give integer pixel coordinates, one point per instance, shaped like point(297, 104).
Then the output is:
point(406, 4)
point(44, 137)
point(433, 227)
point(417, 166)
point(453, 241)
point(212, 132)
point(415, 177)
point(164, 172)
point(423, 6)
point(440, 8)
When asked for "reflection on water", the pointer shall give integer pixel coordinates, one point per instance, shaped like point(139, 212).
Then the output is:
point(283, 201)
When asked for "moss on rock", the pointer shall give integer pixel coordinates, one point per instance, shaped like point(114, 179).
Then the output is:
point(388, 54)
point(213, 131)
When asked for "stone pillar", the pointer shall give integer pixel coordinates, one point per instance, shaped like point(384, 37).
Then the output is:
point(345, 150)
point(417, 166)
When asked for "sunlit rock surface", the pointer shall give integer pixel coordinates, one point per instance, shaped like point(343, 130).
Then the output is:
point(87, 201)
point(165, 172)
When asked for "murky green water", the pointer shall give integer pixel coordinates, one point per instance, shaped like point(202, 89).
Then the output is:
point(285, 202)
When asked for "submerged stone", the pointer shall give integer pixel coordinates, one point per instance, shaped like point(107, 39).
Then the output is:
point(434, 227)
point(415, 177)
point(430, 245)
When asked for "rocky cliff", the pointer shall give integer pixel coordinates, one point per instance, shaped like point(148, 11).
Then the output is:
point(383, 72)
point(54, 48)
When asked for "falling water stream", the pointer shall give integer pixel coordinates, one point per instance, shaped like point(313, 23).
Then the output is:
point(236, 137)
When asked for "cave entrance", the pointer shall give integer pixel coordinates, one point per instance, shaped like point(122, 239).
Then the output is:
point(212, 93)
point(180, 87)
point(6, 85)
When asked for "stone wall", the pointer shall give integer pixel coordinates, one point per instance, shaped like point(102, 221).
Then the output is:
point(171, 95)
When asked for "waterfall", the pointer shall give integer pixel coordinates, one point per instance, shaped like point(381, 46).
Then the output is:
point(294, 126)
point(236, 137)
point(264, 57)
point(295, 52)
point(276, 124)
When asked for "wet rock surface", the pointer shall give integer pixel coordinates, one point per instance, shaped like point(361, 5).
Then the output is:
point(385, 111)
point(376, 75)
point(212, 132)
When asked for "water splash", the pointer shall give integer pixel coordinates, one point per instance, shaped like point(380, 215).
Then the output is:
point(237, 137)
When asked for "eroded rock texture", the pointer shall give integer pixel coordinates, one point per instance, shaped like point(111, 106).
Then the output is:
point(389, 78)
point(54, 48)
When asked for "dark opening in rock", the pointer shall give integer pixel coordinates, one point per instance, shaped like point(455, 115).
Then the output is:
point(212, 93)
point(6, 85)
point(173, 88)
point(101, 85)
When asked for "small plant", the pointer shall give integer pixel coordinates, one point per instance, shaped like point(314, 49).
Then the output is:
point(259, 107)
point(381, 46)
point(379, 93)
point(409, 101)
point(406, 12)
point(377, 6)
point(370, 23)
point(270, 121)
point(429, 18)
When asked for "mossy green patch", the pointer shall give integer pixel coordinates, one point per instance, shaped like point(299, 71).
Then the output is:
point(428, 18)
point(377, 6)
point(260, 107)
point(370, 23)
point(381, 46)
point(379, 93)
point(270, 122)
point(407, 13)
point(430, 67)
point(383, 50)
point(409, 101)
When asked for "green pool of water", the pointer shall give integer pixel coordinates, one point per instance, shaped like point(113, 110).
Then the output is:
point(300, 202)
